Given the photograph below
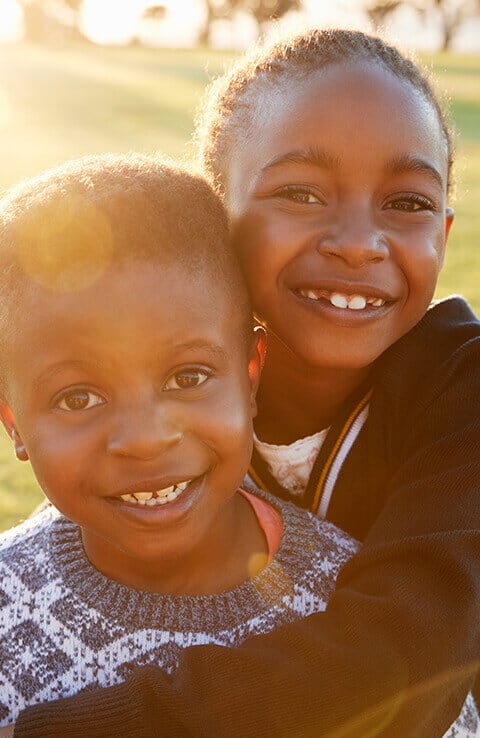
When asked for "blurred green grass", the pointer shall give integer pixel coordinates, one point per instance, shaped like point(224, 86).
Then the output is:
point(58, 103)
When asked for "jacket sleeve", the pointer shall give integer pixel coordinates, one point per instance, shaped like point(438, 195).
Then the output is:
point(394, 654)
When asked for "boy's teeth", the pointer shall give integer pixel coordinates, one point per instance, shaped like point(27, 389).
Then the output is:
point(160, 497)
point(165, 492)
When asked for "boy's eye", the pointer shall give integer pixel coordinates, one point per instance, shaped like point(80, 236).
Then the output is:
point(80, 399)
point(186, 379)
point(410, 204)
point(298, 193)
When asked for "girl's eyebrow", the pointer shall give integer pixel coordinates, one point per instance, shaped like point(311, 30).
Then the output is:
point(320, 158)
point(408, 163)
point(312, 156)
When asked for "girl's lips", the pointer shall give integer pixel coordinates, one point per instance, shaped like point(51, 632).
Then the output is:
point(344, 308)
point(343, 300)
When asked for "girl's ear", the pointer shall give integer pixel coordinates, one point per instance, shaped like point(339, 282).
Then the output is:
point(449, 216)
point(6, 416)
point(255, 364)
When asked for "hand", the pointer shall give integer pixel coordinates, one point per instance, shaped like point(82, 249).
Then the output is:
point(7, 732)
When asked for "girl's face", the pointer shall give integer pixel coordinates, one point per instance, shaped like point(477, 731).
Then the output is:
point(339, 213)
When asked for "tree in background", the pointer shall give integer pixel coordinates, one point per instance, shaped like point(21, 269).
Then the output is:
point(262, 11)
point(51, 20)
point(266, 10)
point(155, 12)
point(378, 13)
point(450, 13)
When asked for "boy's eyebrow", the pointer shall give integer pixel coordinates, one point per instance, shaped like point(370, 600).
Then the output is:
point(217, 352)
point(58, 367)
point(311, 156)
point(408, 163)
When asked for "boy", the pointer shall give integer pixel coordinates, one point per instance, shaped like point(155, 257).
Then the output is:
point(128, 378)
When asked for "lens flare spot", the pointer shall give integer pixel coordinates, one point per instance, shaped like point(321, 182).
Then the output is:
point(256, 563)
point(66, 248)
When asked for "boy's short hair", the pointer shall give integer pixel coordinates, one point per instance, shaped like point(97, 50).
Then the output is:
point(63, 228)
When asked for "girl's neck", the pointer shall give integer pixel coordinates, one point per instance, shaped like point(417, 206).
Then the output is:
point(296, 400)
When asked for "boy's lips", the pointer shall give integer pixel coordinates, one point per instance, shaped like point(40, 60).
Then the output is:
point(158, 497)
point(154, 493)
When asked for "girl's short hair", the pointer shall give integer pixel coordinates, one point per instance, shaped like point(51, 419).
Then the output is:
point(228, 112)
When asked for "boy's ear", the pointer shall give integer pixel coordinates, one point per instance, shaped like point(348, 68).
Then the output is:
point(255, 364)
point(6, 416)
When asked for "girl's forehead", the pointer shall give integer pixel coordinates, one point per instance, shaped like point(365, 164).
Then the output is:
point(366, 85)
point(346, 110)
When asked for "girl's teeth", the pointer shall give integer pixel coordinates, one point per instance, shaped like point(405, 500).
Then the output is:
point(339, 301)
point(143, 495)
point(357, 302)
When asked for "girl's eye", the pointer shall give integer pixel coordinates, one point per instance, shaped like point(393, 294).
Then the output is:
point(298, 193)
point(80, 399)
point(411, 204)
point(186, 379)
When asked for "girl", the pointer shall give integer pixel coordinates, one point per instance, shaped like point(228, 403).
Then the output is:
point(334, 161)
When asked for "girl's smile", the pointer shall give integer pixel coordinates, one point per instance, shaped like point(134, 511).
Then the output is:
point(339, 215)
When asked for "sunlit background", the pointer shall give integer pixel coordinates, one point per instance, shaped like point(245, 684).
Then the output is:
point(176, 23)
point(115, 75)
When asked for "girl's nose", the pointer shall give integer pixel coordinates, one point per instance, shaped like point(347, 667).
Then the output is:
point(144, 433)
point(357, 241)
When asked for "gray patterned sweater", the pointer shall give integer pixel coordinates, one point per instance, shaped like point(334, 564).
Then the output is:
point(64, 627)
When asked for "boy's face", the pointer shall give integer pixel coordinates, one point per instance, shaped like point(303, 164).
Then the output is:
point(339, 214)
point(140, 383)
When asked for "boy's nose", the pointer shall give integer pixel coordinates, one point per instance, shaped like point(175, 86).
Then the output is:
point(144, 433)
point(357, 241)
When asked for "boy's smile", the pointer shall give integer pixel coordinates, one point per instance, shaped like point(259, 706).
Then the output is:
point(339, 214)
point(134, 400)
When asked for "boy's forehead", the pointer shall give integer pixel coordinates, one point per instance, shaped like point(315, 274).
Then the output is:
point(168, 301)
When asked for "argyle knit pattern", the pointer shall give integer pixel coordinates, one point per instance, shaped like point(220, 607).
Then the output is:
point(64, 627)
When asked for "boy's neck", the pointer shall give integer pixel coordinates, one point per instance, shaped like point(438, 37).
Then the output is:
point(295, 400)
point(217, 564)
